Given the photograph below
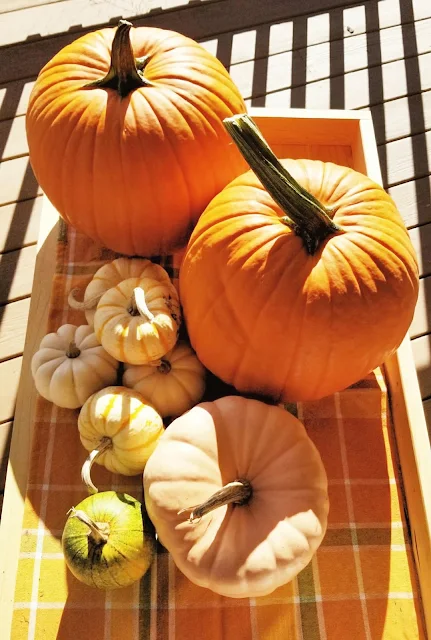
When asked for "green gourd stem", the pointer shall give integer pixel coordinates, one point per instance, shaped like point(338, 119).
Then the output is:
point(72, 350)
point(304, 213)
point(238, 492)
point(104, 444)
point(138, 305)
point(99, 531)
point(125, 73)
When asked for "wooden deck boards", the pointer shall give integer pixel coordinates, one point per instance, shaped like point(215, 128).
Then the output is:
point(339, 54)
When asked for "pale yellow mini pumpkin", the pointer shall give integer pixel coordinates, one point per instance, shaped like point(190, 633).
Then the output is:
point(70, 366)
point(138, 320)
point(172, 386)
point(109, 276)
point(121, 431)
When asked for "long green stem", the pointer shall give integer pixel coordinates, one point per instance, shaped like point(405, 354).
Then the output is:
point(304, 213)
point(125, 73)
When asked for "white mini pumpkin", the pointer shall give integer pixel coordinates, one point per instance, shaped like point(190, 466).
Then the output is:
point(71, 365)
point(173, 385)
point(109, 276)
point(138, 320)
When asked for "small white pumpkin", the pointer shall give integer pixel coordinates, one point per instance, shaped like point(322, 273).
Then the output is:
point(120, 429)
point(138, 320)
point(109, 276)
point(173, 385)
point(71, 365)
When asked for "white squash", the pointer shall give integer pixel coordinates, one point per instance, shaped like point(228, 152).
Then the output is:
point(109, 276)
point(71, 365)
point(172, 386)
point(138, 320)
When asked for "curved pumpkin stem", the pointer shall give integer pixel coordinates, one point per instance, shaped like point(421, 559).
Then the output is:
point(104, 444)
point(91, 303)
point(304, 213)
point(125, 73)
point(238, 492)
point(138, 305)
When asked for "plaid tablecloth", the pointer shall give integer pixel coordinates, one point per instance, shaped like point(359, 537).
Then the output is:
point(361, 585)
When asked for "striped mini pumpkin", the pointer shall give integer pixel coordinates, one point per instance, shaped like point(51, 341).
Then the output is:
point(138, 320)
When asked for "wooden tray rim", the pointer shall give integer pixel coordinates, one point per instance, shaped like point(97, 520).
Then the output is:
point(400, 373)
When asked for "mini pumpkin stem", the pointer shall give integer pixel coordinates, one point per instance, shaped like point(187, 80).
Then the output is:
point(138, 305)
point(125, 73)
point(238, 492)
point(91, 303)
point(72, 350)
point(304, 213)
point(164, 366)
point(99, 532)
point(105, 443)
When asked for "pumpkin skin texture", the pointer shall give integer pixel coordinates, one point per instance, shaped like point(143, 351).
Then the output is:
point(288, 324)
point(122, 420)
point(70, 365)
point(138, 337)
point(124, 557)
point(109, 276)
point(133, 172)
point(173, 386)
point(238, 550)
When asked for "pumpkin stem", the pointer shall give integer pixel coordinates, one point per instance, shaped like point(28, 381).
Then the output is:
point(104, 444)
point(238, 492)
point(99, 531)
point(304, 213)
point(138, 305)
point(72, 350)
point(164, 366)
point(125, 73)
point(91, 303)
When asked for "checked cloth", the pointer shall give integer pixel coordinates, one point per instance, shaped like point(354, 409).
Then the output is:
point(361, 584)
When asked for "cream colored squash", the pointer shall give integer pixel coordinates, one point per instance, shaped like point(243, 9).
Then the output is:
point(238, 495)
point(138, 320)
point(172, 386)
point(70, 365)
point(121, 431)
point(109, 276)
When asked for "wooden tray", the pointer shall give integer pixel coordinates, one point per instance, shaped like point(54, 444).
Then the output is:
point(345, 137)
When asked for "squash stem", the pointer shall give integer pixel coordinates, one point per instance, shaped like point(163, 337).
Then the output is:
point(164, 366)
point(125, 73)
point(90, 303)
point(99, 532)
point(104, 444)
point(238, 492)
point(304, 213)
point(138, 305)
point(72, 350)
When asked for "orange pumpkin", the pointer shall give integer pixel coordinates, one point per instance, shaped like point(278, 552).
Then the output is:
point(299, 299)
point(126, 137)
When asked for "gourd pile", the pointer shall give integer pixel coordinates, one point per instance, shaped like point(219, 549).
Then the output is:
point(298, 278)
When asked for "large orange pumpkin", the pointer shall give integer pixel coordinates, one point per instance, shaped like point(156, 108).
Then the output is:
point(126, 135)
point(299, 299)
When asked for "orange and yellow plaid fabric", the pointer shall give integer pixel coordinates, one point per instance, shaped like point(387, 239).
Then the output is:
point(361, 585)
